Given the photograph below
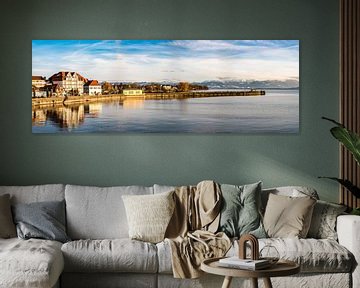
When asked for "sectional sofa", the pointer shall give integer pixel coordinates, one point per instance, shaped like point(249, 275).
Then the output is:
point(100, 253)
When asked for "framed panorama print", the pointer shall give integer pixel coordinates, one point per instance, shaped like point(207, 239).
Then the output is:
point(165, 86)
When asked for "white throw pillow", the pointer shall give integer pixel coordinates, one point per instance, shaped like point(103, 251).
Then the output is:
point(149, 215)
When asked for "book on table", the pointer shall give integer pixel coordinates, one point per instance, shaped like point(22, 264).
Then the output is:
point(236, 262)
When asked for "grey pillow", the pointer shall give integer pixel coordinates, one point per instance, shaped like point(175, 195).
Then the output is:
point(240, 212)
point(323, 222)
point(7, 227)
point(44, 220)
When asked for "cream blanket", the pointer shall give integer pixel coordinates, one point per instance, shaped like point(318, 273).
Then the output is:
point(191, 231)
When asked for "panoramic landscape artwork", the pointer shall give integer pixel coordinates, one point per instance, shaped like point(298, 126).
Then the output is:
point(165, 86)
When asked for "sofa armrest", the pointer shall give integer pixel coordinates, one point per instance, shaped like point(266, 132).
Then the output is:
point(348, 230)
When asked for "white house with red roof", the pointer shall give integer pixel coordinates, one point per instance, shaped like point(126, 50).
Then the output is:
point(71, 82)
point(92, 87)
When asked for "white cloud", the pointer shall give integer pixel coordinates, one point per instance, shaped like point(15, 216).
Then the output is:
point(205, 62)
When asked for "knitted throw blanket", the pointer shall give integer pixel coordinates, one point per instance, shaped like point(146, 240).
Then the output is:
point(191, 231)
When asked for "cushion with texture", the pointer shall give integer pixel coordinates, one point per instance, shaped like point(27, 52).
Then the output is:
point(7, 226)
point(149, 215)
point(240, 212)
point(287, 217)
point(110, 255)
point(43, 220)
point(313, 255)
point(31, 263)
point(323, 222)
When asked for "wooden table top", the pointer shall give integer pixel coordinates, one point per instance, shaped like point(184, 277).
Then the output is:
point(281, 268)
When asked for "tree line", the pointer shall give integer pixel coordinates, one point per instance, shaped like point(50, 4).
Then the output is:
point(109, 88)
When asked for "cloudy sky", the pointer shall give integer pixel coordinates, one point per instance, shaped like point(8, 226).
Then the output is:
point(168, 60)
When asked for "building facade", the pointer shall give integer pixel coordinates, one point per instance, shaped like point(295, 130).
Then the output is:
point(71, 82)
point(92, 87)
point(38, 81)
point(132, 92)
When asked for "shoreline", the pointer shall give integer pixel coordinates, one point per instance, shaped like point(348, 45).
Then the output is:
point(61, 101)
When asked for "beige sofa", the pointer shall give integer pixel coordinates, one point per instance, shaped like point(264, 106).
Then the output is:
point(101, 254)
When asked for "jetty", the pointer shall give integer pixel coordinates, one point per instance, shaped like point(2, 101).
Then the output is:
point(84, 99)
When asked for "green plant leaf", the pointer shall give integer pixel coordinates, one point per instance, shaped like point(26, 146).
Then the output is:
point(347, 184)
point(349, 139)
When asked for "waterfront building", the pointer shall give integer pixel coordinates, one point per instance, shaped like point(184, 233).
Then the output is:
point(71, 82)
point(38, 81)
point(132, 92)
point(92, 87)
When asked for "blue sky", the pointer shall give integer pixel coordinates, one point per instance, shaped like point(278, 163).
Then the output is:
point(168, 60)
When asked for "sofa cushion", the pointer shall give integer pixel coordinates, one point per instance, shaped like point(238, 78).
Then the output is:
point(149, 215)
point(323, 222)
point(7, 226)
point(291, 191)
point(117, 255)
point(240, 210)
point(43, 220)
point(36, 193)
point(313, 255)
point(98, 213)
point(287, 216)
point(30, 263)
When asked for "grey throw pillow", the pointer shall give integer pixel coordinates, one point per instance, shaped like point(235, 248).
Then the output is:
point(240, 213)
point(7, 226)
point(323, 222)
point(44, 220)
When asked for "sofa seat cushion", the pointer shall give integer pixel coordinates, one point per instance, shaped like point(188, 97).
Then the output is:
point(30, 263)
point(115, 255)
point(313, 255)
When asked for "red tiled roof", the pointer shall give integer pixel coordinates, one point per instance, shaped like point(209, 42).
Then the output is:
point(37, 78)
point(60, 76)
point(92, 83)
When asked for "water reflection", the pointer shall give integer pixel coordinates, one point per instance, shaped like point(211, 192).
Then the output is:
point(65, 116)
point(133, 103)
point(276, 112)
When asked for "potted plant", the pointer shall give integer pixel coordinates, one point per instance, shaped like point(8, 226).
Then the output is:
point(351, 141)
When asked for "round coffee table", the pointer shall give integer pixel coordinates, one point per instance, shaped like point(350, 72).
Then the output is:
point(281, 268)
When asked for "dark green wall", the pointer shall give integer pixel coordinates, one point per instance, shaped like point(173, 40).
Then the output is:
point(116, 159)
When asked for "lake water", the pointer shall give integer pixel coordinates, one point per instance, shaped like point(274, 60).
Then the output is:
point(276, 112)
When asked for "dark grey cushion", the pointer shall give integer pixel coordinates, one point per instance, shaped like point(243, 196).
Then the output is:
point(44, 220)
point(240, 213)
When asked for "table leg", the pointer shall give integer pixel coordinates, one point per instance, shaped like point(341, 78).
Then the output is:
point(254, 282)
point(267, 283)
point(227, 282)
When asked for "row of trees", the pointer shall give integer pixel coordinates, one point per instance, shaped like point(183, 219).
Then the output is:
point(109, 88)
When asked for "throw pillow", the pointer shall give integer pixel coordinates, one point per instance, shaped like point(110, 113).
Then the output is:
point(44, 220)
point(323, 222)
point(240, 213)
point(7, 227)
point(149, 215)
point(288, 217)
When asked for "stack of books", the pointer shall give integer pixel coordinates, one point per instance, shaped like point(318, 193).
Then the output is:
point(248, 264)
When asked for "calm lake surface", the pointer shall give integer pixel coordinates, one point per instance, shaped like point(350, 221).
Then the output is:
point(276, 112)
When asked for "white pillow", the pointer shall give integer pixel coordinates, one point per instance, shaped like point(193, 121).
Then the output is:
point(149, 215)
